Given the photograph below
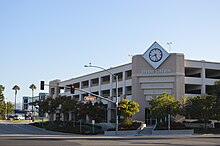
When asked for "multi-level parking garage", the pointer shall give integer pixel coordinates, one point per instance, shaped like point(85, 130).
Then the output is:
point(200, 76)
point(148, 75)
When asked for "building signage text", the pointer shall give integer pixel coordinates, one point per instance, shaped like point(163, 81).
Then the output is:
point(89, 98)
point(156, 71)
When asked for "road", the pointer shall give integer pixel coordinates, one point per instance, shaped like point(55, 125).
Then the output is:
point(71, 140)
point(25, 135)
point(13, 128)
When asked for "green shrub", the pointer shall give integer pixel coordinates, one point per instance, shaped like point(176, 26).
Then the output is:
point(2, 118)
point(217, 125)
point(173, 126)
point(197, 121)
point(67, 127)
point(133, 126)
point(127, 122)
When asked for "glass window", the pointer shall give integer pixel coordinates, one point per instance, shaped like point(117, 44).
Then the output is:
point(95, 82)
point(105, 79)
point(85, 84)
point(128, 90)
point(120, 77)
point(128, 74)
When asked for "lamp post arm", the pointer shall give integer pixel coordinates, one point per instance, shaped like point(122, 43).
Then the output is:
point(116, 106)
point(116, 87)
point(101, 68)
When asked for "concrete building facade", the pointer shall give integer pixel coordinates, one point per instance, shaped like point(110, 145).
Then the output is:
point(27, 102)
point(148, 75)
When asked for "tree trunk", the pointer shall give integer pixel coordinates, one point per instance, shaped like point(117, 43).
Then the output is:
point(15, 100)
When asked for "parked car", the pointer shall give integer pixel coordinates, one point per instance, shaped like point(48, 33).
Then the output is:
point(10, 117)
point(19, 117)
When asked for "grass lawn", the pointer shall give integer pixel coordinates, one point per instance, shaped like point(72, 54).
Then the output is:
point(18, 121)
point(26, 121)
point(40, 120)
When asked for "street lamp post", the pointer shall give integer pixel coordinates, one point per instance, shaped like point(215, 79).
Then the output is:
point(6, 107)
point(60, 110)
point(49, 115)
point(169, 44)
point(116, 87)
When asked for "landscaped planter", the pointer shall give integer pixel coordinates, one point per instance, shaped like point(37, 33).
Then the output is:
point(173, 132)
point(121, 133)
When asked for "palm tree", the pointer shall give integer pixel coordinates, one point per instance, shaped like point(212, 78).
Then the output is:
point(16, 88)
point(2, 88)
point(32, 87)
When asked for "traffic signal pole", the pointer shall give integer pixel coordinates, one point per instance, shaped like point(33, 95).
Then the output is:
point(109, 100)
point(72, 88)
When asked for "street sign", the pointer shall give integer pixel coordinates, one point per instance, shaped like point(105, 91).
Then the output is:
point(89, 98)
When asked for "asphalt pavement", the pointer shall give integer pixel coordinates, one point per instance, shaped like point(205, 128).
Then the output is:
point(24, 128)
point(12, 134)
point(71, 140)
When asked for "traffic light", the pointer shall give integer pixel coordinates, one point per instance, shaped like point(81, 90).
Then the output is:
point(119, 111)
point(42, 85)
point(72, 89)
point(41, 111)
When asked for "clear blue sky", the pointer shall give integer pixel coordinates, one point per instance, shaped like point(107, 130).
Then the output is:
point(53, 39)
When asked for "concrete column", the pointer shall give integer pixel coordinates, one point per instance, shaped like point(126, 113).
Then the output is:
point(62, 116)
point(99, 100)
point(54, 117)
point(124, 84)
point(80, 95)
point(109, 104)
point(70, 116)
point(203, 88)
point(89, 85)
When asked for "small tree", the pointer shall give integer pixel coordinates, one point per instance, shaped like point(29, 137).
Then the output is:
point(3, 109)
point(68, 105)
point(2, 98)
point(97, 111)
point(159, 105)
point(10, 107)
point(82, 110)
point(128, 109)
point(217, 94)
point(217, 89)
point(43, 107)
point(48, 106)
point(202, 107)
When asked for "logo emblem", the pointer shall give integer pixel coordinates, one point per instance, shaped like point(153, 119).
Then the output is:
point(155, 55)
